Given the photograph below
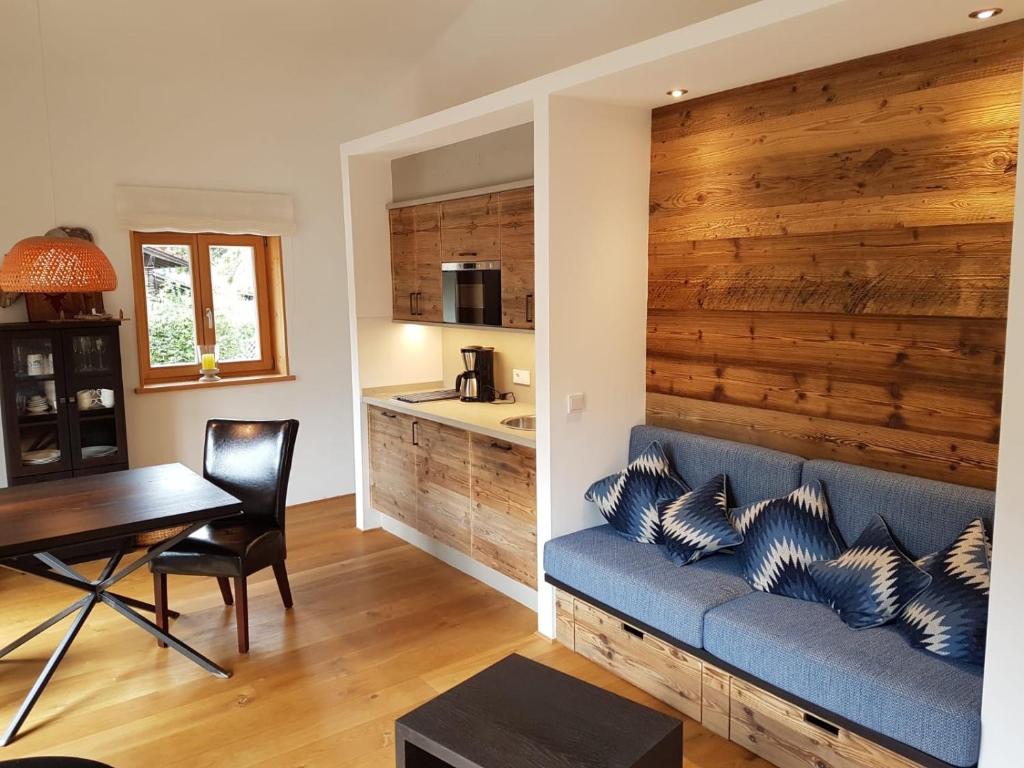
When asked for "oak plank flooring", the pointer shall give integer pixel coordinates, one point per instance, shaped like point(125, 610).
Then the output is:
point(378, 628)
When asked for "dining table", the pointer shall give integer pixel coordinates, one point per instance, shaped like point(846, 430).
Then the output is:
point(40, 518)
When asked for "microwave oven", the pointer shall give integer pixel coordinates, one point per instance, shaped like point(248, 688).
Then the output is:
point(471, 292)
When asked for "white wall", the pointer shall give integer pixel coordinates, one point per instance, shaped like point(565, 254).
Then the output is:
point(591, 303)
point(1002, 710)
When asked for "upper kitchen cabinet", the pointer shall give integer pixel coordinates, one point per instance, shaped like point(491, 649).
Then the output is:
point(416, 263)
point(515, 246)
point(470, 229)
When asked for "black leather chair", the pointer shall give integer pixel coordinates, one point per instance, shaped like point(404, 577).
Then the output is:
point(252, 461)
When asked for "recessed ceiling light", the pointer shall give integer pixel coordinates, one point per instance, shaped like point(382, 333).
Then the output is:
point(677, 93)
point(985, 13)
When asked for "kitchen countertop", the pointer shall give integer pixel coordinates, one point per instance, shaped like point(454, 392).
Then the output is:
point(482, 418)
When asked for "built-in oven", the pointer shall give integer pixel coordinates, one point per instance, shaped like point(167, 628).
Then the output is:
point(472, 292)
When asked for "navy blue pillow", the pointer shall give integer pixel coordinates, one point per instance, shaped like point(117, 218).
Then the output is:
point(629, 499)
point(781, 537)
point(869, 583)
point(950, 617)
point(697, 523)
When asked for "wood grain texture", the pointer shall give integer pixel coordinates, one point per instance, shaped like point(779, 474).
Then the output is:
point(429, 293)
point(393, 465)
point(829, 258)
point(517, 257)
point(443, 506)
point(565, 622)
point(469, 228)
point(778, 732)
point(715, 701)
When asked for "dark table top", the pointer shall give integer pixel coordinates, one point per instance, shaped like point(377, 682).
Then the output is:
point(519, 712)
point(43, 516)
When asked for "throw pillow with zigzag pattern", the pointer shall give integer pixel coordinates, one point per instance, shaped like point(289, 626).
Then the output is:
point(950, 617)
point(870, 583)
point(697, 523)
point(782, 537)
point(629, 499)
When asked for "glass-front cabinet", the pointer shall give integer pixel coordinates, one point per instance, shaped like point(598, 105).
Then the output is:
point(63, 399)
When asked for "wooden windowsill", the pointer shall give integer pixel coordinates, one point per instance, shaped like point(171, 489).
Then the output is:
point(227, 381)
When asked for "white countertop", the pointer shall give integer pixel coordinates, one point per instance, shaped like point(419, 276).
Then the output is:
point(482, 418)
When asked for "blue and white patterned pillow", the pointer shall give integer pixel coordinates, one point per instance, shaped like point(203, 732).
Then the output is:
point(781, 537)
point(629, 499)
point(697, 523)
point(950, 617)
point(869, 583)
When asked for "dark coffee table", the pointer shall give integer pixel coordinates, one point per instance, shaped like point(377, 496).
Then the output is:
point(521, 713)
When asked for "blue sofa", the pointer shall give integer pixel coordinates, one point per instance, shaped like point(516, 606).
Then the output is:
point(872, 681)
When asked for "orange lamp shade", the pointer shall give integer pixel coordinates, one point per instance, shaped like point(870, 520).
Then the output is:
point(56, 265)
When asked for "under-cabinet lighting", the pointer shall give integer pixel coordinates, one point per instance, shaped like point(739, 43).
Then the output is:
point(985, 13)
point(677, 93)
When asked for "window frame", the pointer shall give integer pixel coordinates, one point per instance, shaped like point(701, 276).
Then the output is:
point(202, 299)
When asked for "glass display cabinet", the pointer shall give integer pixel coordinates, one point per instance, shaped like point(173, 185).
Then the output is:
point(63, 400)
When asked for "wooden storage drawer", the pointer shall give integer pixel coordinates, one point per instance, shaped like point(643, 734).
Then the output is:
point(663, 671)
point(789, 737)
point(565, 621)
point(714, 708)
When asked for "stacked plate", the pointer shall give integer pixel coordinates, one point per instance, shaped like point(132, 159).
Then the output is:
point(37, 404)
point(98, 451)
point(46, 456)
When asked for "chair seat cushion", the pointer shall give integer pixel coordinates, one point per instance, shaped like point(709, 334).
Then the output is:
point(233, 546)
point(642, 582)
point(870, 676)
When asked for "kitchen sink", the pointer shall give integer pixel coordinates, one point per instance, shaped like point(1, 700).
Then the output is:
point(528, 423)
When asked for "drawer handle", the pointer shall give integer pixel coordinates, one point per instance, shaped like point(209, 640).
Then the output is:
point(824, 725)
point(501, 447)
point(632, 630)
point(388, 415)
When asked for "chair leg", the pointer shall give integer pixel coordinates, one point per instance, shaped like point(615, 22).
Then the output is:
point(225, 589)
point(282, 584)
point(242, 614)
point(160, 603)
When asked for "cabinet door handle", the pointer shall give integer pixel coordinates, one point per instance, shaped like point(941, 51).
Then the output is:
point(411, 310)
point(824, 725)
point(419, 305)
point(468, 253)
point(501, 447)
point(529, 307)
point(415, 440)
point(388, 415)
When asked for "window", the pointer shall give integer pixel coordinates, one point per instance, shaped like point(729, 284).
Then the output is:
point(207, 289)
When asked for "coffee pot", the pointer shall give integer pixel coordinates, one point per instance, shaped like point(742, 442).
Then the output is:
point(476, 383)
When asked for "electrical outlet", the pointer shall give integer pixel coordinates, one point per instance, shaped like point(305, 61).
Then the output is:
point(521, 376)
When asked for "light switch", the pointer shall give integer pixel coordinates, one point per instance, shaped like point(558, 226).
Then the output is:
point(577, 402)
point(521, 376)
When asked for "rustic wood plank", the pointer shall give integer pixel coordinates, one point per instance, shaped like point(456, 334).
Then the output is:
point(958, 271)
point(662, 670)
point(427, 238)
point(444, 507)
point(469, 228)
point(961, 58)
point(517, 257)
point(778, 732)
point(392, 461)
point(565, 622)
point(403, 263)
point(715, 700)
point(954, 460)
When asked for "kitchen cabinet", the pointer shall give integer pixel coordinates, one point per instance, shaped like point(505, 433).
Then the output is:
point(416, 263)
point(497, 226)
point(515, 248)
point(469, 229)
point(471, 492)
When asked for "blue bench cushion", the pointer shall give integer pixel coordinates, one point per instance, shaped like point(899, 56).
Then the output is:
point(640, 580)
point(870, 676)
point(923, 515)
point(753, 473)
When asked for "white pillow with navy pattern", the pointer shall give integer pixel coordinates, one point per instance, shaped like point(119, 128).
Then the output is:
point(629, 499)
point(870, 583)
point(782, 537)
point(950, 617)
point(697, 523)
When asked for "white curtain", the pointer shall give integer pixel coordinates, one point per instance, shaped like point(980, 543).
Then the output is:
point(163, 209)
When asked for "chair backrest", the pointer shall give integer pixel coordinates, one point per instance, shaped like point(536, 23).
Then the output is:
point(252, 461)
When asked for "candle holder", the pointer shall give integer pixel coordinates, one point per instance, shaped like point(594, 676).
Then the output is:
point(208, 369)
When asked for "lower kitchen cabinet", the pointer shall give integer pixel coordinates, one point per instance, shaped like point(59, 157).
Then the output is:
point(473, 493)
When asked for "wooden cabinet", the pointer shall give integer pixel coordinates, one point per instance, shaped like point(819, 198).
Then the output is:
point(416, 263)
point(469, 229)
point(473, 493)
point(516, 251)
point(492, 227)
point(505, 507)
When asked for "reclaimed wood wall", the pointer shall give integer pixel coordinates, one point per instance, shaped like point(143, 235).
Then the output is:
point(829, 258)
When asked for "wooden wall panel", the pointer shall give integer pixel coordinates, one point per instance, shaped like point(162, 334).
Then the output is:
point(829, 258)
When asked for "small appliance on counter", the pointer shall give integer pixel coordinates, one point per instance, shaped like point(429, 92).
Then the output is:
point(476, 383)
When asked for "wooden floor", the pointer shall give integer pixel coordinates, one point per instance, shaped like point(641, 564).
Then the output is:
point(378, 628)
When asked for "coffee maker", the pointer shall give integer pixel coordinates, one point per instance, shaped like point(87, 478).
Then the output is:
point(476, 383)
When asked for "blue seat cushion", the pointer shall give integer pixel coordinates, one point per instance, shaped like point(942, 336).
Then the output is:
point(872, 677)
point(924, 516)
point(641, 581)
